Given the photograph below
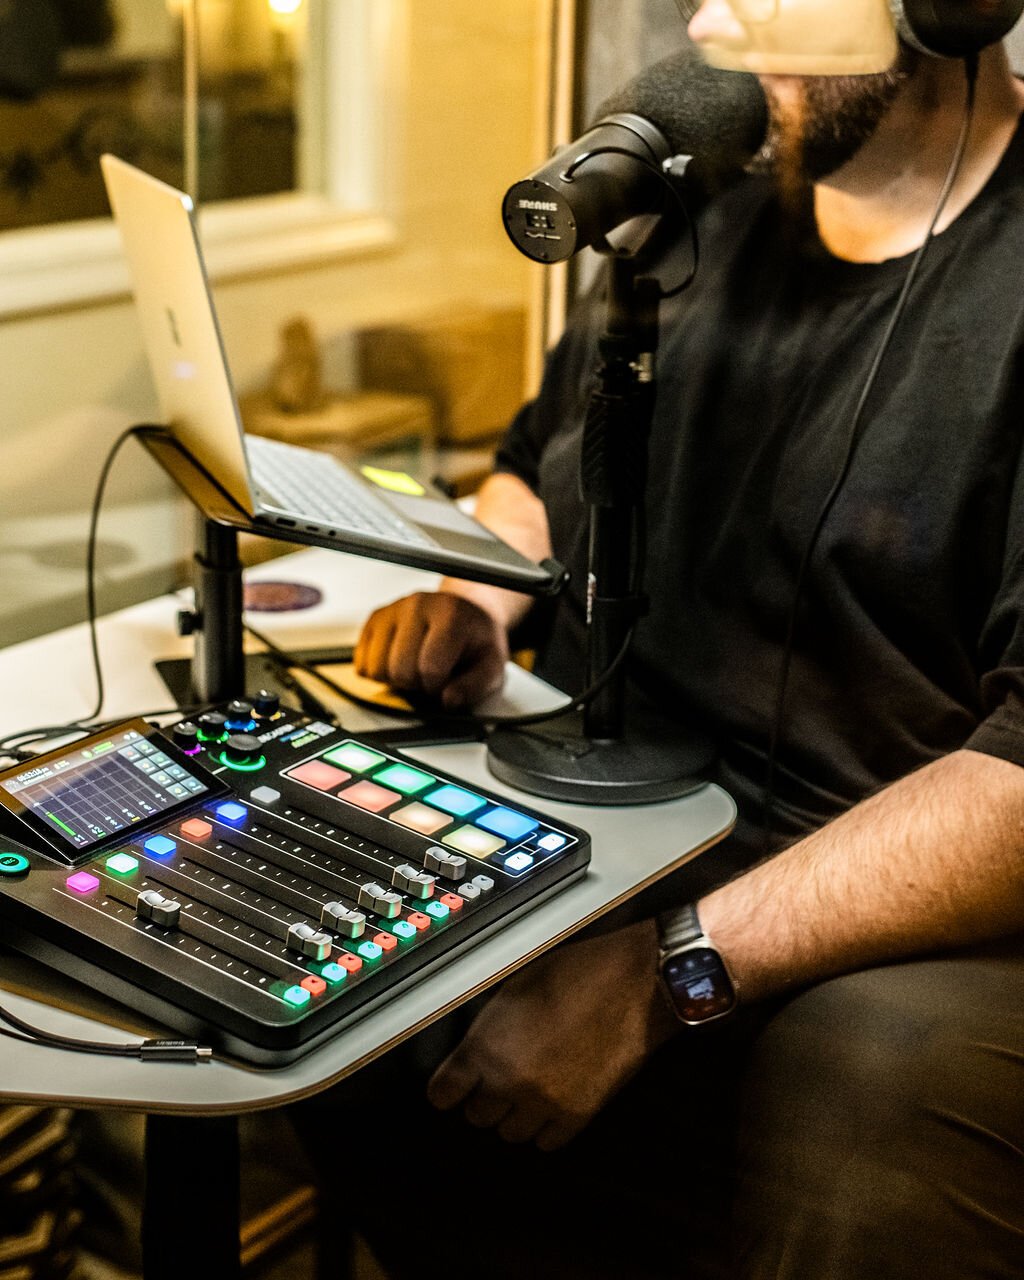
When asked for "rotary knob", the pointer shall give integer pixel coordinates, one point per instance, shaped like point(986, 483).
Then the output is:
point(186, 735)
point(242, 748)
point(266, 704)
point(212, 725)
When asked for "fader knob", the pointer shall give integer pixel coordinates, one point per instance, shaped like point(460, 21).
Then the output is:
point(242, 748)
point(186, 735)
point(266, 704)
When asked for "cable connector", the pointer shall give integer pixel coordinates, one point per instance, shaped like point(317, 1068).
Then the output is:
point(173, 1051)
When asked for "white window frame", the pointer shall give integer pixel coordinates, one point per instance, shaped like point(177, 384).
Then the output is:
point(351, 111)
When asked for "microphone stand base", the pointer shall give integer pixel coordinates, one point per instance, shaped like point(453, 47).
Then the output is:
point(558, 761)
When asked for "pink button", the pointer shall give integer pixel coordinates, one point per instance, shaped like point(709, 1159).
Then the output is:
point(452, 901)
point(314, 985)
point(196, 829)
point(83, 882)
point(350, 962)
point(367, 795)
point(316, 773)
point(419, 921)
point(386, 941)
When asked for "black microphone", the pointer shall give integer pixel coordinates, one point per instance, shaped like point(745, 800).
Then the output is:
point(612, 173)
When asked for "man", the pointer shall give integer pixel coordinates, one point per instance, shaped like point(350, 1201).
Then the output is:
point(877, 1064)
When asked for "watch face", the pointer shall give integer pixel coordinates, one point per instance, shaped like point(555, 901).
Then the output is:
point(698, 984)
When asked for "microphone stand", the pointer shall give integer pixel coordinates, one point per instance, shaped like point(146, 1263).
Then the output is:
point(590, 757)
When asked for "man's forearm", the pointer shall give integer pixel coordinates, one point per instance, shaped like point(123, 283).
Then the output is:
point(513, 511)
point(934, 861)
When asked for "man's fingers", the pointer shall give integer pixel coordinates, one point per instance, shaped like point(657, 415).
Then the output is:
point(371, 655)
point(453, 1081)
point(484, 1110)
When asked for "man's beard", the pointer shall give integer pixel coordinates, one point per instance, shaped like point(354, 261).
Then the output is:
point(830, 122)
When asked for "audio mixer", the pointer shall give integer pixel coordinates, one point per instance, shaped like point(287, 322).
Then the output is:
point(256, 878)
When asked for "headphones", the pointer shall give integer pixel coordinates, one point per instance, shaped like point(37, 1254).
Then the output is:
point(954, 28)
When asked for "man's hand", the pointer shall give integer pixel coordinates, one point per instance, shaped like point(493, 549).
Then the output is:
point(559, 1039)
point(434, 643)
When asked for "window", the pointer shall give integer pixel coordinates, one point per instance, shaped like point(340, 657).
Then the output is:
point(192, 91)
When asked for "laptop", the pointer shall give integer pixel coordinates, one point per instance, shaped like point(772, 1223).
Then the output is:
point(289, 490)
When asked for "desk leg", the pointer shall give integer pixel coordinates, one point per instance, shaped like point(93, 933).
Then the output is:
point(190, 1216)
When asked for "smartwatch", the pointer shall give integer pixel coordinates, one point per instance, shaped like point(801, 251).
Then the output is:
point(694, 976)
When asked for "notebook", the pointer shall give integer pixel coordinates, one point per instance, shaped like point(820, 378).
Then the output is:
point(284, 487)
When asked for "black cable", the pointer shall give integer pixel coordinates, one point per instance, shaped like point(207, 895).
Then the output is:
point(157, 1050)
point(778, 717)
point(41, 733)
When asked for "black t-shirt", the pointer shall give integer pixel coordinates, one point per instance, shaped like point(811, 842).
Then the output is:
point(910, 634)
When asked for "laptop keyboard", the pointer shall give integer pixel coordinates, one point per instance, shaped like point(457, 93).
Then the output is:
point(314, 487)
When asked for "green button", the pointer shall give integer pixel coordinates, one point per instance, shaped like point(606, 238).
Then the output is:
point(123, 863)
point(404, 778)
point(13, 864)
point(357, 759)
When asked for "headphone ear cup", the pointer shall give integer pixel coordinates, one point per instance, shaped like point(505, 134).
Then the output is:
point(954, 28)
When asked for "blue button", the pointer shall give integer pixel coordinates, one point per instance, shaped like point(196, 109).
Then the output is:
point(231, 812)
point(333, 973)
point(507, 823)
point(454, 800)
point(160, 846)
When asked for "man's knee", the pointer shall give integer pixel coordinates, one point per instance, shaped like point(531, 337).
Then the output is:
point(885, 1104)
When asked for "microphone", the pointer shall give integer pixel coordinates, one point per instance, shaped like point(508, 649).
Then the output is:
point(678, 107)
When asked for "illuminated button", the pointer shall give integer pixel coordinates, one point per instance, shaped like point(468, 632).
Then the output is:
point(350, 755)
point(160, 846)
point(455, 800)
point(370, 950)
point(13, 864)
point(386, 941)
point(314, 985)
point(314, 773)
point(232, 812)
point(507, 823)
point(349, 962)
point(196, 829)
point(123, 863)
point(333, 973)
point(419, 921)
point(420, 817)
point(367, 795)
point(551, 841)
point(404, 930)
point(471, 840)
point(83, 882)
point(297, 997)
point(452, 901)
point(265, 795)
point(404, 778)
point(437, 910)
point(518, 862)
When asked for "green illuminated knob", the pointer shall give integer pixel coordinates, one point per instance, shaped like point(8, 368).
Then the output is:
point(242, 749)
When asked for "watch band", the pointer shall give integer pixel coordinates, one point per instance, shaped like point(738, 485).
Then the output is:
point(678, 927)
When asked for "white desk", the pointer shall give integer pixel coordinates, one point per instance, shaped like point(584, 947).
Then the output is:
point(49, 681)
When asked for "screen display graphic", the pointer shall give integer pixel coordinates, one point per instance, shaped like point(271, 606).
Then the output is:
point(90, 794)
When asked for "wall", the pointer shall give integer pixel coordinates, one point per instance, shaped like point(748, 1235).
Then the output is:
point(71, 381)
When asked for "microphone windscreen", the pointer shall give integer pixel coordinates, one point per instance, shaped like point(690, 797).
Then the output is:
point(719, 117)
